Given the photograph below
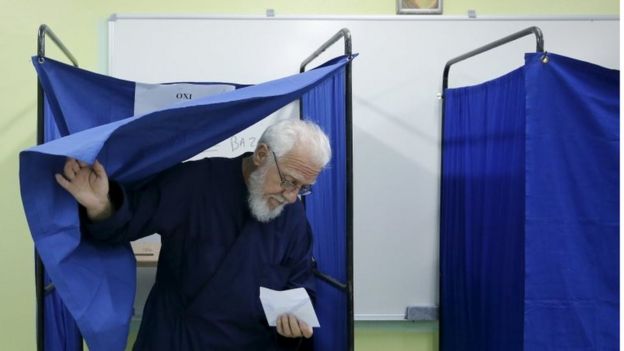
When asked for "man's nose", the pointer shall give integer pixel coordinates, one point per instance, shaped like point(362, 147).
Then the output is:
point(291, 195)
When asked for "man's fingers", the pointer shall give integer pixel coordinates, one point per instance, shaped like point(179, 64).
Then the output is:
point(306, 330)
point(99, 169)
point(64, 183)
point(69, 175)
point(72, 165)
point(283, 326)
point(75, 166)
point(290, 327)
point(278, 325)
point(68, 169)
point(286, 326)
point(83, 164)
point(294, 326)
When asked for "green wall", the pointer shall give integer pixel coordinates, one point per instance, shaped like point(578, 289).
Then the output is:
point(82, 26)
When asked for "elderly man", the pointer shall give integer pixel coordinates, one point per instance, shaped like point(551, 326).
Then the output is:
point(227, 226)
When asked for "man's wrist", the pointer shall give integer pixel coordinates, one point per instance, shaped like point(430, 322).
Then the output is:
point(102, 212)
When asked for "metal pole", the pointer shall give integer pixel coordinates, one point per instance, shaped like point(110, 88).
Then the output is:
point(528, 31)
point(346, 34)
point(40, 290)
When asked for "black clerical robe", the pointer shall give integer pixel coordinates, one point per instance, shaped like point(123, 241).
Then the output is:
point(214, 257)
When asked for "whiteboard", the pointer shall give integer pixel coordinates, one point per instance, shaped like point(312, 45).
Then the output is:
point(396, 109)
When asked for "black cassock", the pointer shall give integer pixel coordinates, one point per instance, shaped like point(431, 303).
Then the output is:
point(214, 257)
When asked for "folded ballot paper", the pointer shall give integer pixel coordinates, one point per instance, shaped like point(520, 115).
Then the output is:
point(294, 301)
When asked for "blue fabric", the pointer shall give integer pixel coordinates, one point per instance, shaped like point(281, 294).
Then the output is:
point(79, 99)
point(572, 205)
point(50, 129)
point(482, 228)
point(97, 284)
point(529, 221)
point(326, 208)
point(60, 330)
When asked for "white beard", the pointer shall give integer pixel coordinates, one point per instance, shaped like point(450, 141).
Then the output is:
point(258, 205)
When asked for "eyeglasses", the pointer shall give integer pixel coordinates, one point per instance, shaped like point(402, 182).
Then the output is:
point(304, 189)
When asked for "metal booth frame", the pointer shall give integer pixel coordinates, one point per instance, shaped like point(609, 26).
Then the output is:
point(41, 290)
point(345, 34)
point(539, 48)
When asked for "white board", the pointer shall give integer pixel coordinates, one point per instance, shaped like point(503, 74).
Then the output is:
point(396, 111)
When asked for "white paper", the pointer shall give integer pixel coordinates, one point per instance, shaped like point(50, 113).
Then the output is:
point(294, 301)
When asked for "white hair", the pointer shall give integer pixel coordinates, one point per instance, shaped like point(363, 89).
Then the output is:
point(284, 135)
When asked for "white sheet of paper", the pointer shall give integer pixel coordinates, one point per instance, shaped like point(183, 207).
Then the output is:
point(294, 301)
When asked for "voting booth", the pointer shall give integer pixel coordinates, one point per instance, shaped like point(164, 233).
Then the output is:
point(86, 289)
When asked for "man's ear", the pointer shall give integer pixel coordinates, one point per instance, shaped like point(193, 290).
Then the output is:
point(261, 154)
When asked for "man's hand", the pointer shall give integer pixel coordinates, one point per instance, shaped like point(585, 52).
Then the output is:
point(289, 326)
point(89, 186)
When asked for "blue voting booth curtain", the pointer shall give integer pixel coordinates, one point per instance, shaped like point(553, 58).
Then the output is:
point(482, 229)
point(572, 205)
point(97, 283)
point(79, 99)
point(60, 330)
point(529, 221)
point(327, 211)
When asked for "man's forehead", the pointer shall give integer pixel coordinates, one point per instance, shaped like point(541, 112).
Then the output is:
point(303, 178)
point(300, 167)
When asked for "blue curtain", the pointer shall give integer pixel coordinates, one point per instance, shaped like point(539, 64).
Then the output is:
point(97, 283)
point(572, 205)
point(529, 220)
point(327, 211)
point(60, 330)
point(79, 99)
point(482, 228)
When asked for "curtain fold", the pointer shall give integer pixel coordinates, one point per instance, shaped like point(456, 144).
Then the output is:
point(97, 283)
point(60, 330)
point(482, 230)
point(326, 208)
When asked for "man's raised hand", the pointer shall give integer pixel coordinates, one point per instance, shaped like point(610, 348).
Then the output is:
point(88, 185)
